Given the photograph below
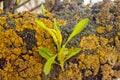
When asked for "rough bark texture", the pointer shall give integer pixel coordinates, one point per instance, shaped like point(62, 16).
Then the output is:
point(9, 5)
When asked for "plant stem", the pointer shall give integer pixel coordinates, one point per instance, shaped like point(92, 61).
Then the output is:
point(62, 66)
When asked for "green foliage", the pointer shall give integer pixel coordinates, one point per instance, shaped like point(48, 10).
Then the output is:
point(78, 28)
point(42, 9)
point(45, 53)
point(72, 53)
point(55, 33)
point(63, 52)
point(18, 1)
point(47, 66)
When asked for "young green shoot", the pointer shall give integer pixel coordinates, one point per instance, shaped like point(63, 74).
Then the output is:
point(63, 53)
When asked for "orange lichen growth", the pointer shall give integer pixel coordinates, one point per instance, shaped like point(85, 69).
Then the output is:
point(72, 73)
point(88, 73)
point(119, 17)
point(17, 51)
point(100, 29)
point(107, 72)
point(104, 15)
point(1, 11)
point(92, 62)
point(21, 63)
point(118, 33)
point(109, 28)
point(93, 42)
point(2, 20)
point(18, 61)
point(104, 54)
point(47, 23)
point(76, 17)
point(61, 22)
point(103, 41)
point(107, 54)
point(48, 14)
point(117, 74)
point(90, 42)
point(119, 25)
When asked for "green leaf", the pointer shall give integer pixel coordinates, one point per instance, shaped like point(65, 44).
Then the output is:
point(42, 9)
point(56, 25)
point(56, 34)
point(59, 35)
point(48, 64)
point(61, 56)
point(41, 24)
point(45, 53)
point(18, 1)
point(78, 28)
point(72, 53)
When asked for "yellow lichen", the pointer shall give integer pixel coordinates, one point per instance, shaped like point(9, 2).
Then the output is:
point(107, 72)
point(88, 73)
point(109, 28)
point(100, 29)
point(19, 60)
point(119, 25)
point(48, 14)
point(92, 62)
point(47, 23)
point(71, 74)
point(76, 17)
point(103, 54)
point(103, 41)
point(1, 11)
point(61, 22)
point(90, 42)
point(2, 20)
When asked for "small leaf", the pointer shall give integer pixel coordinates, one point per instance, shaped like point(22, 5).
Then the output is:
point(41, 24)
point(72, 53)
point(56, 25)
point(78, 28)
point(45, 53)
point(18, 1)
point(59, 35)
point(48, 64)
point(54, 33)
point(42, 9)
point(61, 56)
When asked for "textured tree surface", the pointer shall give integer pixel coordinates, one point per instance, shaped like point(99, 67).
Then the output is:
point(99, 58)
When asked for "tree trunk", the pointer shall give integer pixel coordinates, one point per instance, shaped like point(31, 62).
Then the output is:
point(9, 6)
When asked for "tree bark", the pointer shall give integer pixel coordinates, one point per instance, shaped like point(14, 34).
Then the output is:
point(9, 6)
